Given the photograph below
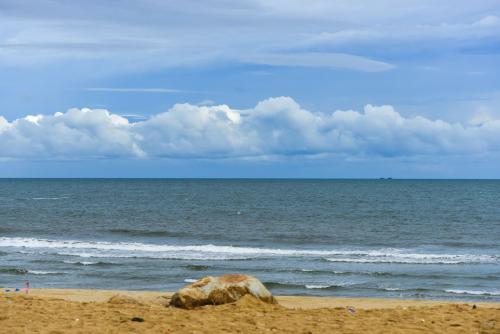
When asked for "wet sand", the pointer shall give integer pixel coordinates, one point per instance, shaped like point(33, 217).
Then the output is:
point(88, 311)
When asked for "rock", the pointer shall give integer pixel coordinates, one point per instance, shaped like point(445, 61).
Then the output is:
point(123, 299)
point(220, 290)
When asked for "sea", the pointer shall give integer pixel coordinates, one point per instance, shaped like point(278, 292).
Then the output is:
point(418, 239)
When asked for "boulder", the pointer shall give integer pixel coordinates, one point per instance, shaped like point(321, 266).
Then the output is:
point(220, 290)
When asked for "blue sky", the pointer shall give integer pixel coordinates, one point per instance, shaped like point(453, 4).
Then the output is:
point(250, 88)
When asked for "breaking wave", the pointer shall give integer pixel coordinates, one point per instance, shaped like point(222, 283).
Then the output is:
point(475, 292)
point(102, 249)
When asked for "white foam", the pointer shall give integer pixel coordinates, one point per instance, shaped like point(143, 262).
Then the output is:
point(319, 286)
point(40, 272)
point(121, 246)
point(85, 263)
point(100, 249)
point(475, 292)
point(190, 280)
point(157, 255)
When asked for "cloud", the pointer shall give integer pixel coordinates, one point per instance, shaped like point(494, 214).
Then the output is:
point(274, 127)
point(486, 27)
point(321, 59)
point(138, 36)
point(75, 134)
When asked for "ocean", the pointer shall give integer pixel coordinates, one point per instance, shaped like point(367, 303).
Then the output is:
point(419, 239)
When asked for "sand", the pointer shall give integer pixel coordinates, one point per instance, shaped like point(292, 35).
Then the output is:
point(88, 311)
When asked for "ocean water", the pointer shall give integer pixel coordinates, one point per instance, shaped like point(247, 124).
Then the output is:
point(375, 238)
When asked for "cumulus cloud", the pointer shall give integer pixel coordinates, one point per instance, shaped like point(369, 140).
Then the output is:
point(77, 133)
point(274, 127)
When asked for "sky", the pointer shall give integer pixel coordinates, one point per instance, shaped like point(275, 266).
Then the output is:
point(250, 88)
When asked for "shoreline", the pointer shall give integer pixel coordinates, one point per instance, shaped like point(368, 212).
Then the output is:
point(302, 302)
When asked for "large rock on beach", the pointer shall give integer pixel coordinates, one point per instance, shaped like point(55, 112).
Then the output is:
point(220, 290)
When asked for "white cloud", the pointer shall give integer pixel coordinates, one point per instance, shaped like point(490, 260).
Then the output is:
point(274, 127)
point(321, 59)
point(137, 36)
point(75, 134)
point(486, 27)
point(489, 21)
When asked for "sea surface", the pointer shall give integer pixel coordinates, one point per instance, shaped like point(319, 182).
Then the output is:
point(430, 239)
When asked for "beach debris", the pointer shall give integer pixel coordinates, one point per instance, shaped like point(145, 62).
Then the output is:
point(137, 319)
point(224, 289)
point(123, 299)
point(474, 307)
point(351, 309)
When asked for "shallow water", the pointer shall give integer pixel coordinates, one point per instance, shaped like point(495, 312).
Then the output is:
point(376, 238)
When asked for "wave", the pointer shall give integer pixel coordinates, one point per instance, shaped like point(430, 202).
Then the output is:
point(378, 274)
point(475, 292)
point(100, 249)
point(281, 285)
point(319, 286)
point(425, 291)
point(393, 289)
point(290, 285)
point(20, 271)
point(418, 258)
point(41, 272)
point(190, 280)
point(154, 255)
point(48, 198)
point(43, 261)
point(13, 271)
point(349, 286)
point(90, 263)
point(410, 291)
point(381, 274)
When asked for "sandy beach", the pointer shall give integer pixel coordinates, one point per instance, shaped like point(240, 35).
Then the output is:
point(90, 311)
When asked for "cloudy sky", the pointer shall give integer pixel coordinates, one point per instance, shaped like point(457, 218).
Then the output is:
point(250, 88)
